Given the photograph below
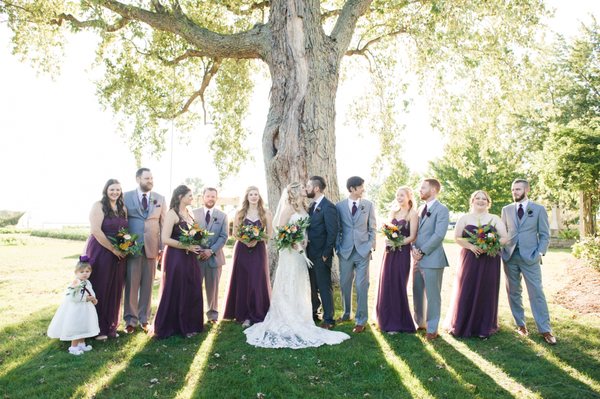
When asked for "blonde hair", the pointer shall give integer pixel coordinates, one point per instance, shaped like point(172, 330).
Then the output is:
point(241, 214)
point(82, 265)
point(486, 195)
point(396, 206)
point(294, 192)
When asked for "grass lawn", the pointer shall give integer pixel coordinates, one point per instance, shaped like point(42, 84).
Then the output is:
point(219, 364)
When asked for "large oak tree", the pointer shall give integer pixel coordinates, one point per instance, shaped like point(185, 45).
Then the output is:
point(161, 58)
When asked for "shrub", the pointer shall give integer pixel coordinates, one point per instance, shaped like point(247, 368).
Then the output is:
point(569, 234)
point(9, 218)
point(588, 250)
point(77, 235)
point(13, 230)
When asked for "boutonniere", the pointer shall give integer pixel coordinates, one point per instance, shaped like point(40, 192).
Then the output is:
point(428, 214)
point(214, 219)
point(318, 209)
point(530, 213)
point(362, 207)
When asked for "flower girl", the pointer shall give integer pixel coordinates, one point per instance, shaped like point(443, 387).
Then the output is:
point(76, 318)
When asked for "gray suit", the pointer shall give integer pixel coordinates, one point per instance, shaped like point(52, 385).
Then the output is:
point(147, 224)
point(529, 238)
point(355, 240)
point(211, 268)
point(429, 271)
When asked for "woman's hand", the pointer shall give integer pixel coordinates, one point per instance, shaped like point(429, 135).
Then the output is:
point(195, 249)
point(252, 244)
point(476, 250)
point(119, 254)
point(92, 299)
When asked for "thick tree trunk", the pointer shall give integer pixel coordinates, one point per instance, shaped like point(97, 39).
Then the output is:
point(587, 225)
point(299, 137)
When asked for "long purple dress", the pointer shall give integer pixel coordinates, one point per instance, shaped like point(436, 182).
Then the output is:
point(474, 309)
point(250, 287)
point(392, 309)
point(180, 305)
point(108, 276)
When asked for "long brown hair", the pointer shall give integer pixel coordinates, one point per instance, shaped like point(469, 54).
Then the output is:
point(241, 214)
point(178, 193)
point(105, 201)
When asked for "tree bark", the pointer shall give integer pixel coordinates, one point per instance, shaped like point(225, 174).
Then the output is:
point(587, 225)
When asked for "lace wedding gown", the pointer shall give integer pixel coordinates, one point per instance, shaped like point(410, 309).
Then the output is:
point(289, 322)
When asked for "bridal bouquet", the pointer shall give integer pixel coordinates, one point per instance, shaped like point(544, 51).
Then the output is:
point(193, 235)
point(486, 238)
point(125, 242)
point(392, 233)
point(292, 233)
point(248, 233)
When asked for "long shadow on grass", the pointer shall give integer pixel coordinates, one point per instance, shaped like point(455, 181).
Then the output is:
point(523, 359)
point(436, 377)
point(159, 368)
point(351, 369)
point(38, 367)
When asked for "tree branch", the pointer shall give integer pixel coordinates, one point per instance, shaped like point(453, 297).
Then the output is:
point(362, 50)
point(346, 23)
point(208, 75)
point(261, 5)
point(248, 44)
point(330, 14)
point(94, 23)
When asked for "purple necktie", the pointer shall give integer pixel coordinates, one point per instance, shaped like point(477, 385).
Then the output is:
point(207, 217)
point(520, 212)
point(354, 208)
point(424, 212)
point(144, 202)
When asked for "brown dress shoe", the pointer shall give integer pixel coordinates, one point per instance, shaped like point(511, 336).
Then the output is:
point(549, 338)
point(130, 329)
point(327, 326)
point(522, 330)
point(342, 320)
point(358, 329)
point(145, 327)
point(431, 336)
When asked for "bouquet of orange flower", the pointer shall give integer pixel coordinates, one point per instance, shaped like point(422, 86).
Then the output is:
point(486, 238)
point(125, 242)
point(291, 233)
point(248, 233)
point(392, 233)
point(193, 235)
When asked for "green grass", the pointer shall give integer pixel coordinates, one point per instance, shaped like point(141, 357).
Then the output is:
point(219, 364)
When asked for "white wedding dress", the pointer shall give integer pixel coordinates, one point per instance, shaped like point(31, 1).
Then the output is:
point(289, 322)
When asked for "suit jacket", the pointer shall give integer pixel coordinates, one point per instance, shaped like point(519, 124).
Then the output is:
point(323, 230)
point(146, 224)
point(432, 230)
point(356, 231)
point(219, 227)
point(531, 234)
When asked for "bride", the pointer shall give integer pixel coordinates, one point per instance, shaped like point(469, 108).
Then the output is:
point(289, 322)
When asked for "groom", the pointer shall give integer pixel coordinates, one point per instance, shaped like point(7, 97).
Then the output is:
point(529, 234)
point(322, 233)
point(212, 257)
point(430, 259)
point(146, 212)
point(356, 240)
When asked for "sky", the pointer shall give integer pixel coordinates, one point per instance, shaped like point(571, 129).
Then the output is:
point(59, 146)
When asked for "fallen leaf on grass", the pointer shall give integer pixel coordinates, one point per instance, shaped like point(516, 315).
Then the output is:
point(260, 395)
point(154, 381)
point(440, 366)
point(217, 355)
point(146, 364)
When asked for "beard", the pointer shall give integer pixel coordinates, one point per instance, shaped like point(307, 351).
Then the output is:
point(310, 194)
point(145, 187)
point(518, 198)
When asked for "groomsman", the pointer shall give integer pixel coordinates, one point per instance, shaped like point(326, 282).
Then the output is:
point(146, 212)
point(212, 257)
point(529, 235)
point(322, 234)
point(356, 241)
point(430, 259)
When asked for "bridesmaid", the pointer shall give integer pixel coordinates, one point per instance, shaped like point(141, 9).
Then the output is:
point(474, 307)
point(392, 309)
point(180, 307)
point(106, 218)
point(250, 287)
